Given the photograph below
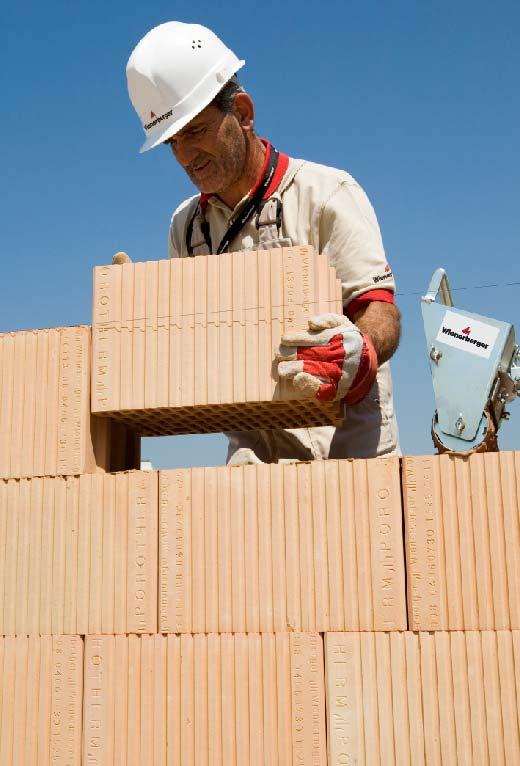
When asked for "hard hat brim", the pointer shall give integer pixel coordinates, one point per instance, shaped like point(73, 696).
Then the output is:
point(175, 125)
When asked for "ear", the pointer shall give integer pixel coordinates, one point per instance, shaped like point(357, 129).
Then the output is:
point(244, 111)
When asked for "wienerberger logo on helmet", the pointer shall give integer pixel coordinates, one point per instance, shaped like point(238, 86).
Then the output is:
point(157, 120)
point(382, 277)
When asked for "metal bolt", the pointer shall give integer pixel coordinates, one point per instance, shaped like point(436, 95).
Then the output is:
point(435, 354)
point(460, 425)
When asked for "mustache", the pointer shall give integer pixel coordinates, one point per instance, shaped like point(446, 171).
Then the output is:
point(197, 163)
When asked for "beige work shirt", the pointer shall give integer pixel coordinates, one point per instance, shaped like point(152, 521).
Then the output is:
point(326, 208)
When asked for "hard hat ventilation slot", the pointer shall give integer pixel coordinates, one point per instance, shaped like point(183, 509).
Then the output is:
point(196, 44)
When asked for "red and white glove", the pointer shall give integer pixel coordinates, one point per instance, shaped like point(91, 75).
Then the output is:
point(331, 360)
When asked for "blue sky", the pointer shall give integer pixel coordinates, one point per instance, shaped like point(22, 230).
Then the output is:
point(419, 101)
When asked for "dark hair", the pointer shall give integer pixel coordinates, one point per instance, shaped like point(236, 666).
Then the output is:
point(225, 97)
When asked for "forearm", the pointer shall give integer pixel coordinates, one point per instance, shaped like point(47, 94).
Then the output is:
point(382, 323)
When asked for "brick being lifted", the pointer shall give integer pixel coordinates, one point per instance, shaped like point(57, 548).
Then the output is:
point(46, 428)
point(187, 345)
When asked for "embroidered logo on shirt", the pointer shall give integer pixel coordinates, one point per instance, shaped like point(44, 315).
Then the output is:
point(386, 275)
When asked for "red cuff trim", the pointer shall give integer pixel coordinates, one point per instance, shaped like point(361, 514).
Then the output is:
point(355, 305)
point(366, 373)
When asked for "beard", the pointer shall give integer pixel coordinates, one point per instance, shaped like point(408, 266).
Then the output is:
point(216, 172)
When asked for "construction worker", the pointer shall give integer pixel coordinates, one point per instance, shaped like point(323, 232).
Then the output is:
point(182, 83)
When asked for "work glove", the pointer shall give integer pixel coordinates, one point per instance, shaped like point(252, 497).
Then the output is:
point(330, 361)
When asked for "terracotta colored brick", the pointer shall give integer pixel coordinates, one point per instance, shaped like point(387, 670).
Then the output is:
point(41, 697)
point(45, 424)
point(79, 554)
point(463, 541)
point(205, 699)
point(437, 697)
point(106, 346)
point(304, 547)
point(163, 332)
point(308, 710)
point(221, 319)
point(213, 320)
point(151, 334)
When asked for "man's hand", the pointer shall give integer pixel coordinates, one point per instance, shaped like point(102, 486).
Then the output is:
point(332, 360)
point(119, 258)
point(382, 323)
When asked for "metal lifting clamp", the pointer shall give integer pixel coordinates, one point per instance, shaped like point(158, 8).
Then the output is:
point(475, 366)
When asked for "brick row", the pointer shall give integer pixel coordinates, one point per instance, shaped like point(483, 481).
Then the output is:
point(243, 549)
point(188, 344)
point(389, 698)
point(309, 546)
point(416, 698)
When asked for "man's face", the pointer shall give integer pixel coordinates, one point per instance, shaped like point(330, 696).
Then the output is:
point(212, 150)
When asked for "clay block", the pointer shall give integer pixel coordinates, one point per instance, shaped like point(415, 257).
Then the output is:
point(307, 687)
point(79, 554)
point(106, 345)
point(438, 697)
point(463, 541)
point(206, 337)
point(45, 424)
point(41, 697)
point(210, 700)
point(151, 334)
point(302, 547)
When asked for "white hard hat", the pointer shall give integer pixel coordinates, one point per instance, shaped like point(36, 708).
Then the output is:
point(174, 72)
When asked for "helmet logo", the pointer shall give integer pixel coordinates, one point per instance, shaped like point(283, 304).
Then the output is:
point(156, 120)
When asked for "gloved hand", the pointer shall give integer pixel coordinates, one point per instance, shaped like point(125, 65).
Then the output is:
point(331, 360)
